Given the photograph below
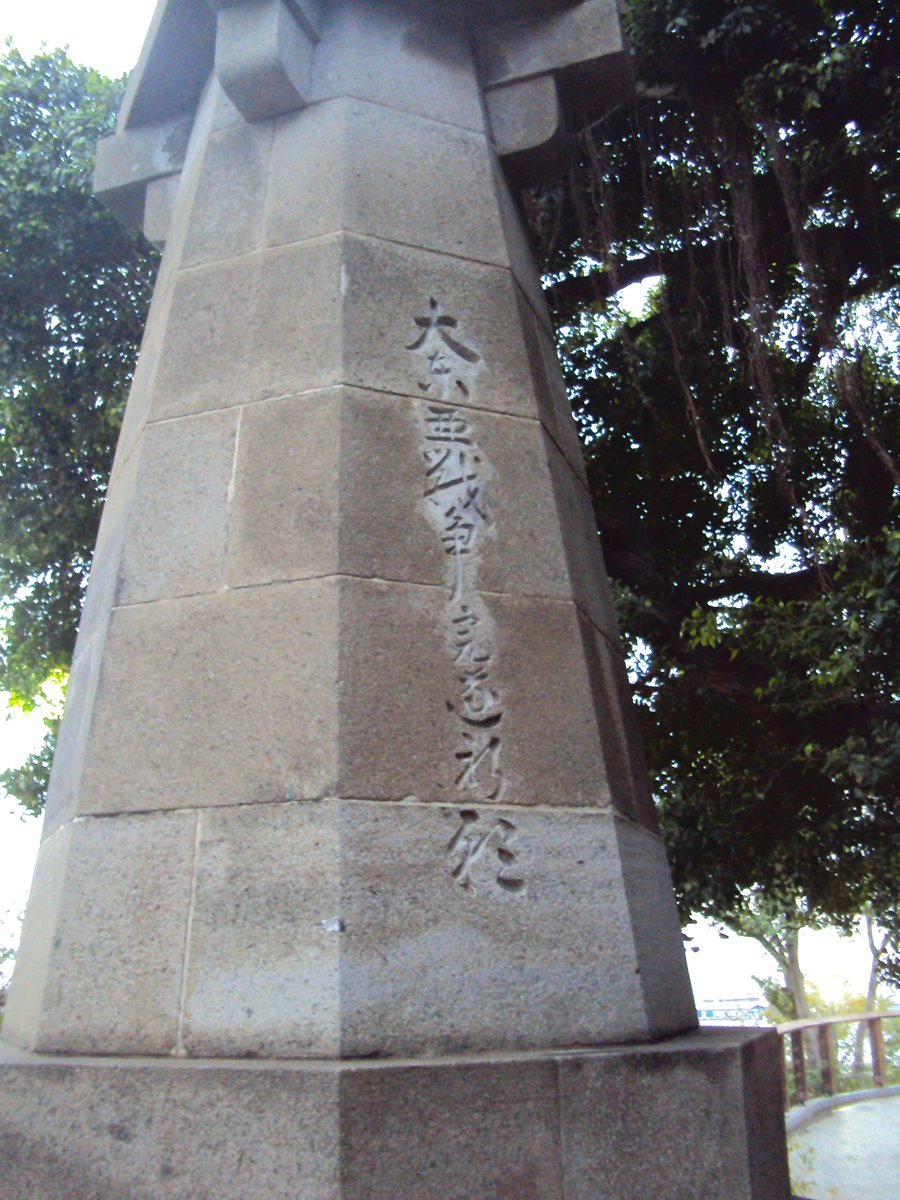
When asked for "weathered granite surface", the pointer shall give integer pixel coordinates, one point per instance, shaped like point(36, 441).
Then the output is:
point(348, 605)
point(694, 1118)
point(309, 929)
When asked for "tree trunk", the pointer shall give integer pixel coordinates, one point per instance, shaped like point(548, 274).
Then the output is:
point(796, 985)
point(793, 975)
point(871, 994)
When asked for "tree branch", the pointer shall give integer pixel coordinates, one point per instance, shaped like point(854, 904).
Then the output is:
point(787, 585)
point(566, 296)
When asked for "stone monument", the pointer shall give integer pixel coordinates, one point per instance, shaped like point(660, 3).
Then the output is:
point(350, 885)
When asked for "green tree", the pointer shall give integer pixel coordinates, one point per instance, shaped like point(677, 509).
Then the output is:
point(742, 435)
point(777, 930)
point(74, 290)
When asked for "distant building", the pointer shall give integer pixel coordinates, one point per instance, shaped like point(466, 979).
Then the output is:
point(743, 1010)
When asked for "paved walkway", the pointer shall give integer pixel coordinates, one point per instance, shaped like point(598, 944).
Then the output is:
point(849, 1153)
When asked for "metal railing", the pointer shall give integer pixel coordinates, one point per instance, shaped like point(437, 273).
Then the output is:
point(798, 1037)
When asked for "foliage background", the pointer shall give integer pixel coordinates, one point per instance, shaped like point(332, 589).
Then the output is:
point(742, 439)
point(74, 291)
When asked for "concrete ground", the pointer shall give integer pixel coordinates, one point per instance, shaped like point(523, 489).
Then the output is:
point(851, 1152)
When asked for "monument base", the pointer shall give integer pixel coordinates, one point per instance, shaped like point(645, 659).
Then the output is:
point(697, 1116)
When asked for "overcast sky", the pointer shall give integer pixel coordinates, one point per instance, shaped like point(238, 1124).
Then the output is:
point(107, 34)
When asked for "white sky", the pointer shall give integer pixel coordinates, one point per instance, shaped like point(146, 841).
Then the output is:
point(108, 35)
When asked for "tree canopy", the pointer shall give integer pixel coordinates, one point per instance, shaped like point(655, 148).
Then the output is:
point(741, 431)
point(742, 434)
point(74, 290)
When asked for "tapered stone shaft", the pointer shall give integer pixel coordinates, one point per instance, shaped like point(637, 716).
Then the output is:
point(347, 771)
point(347, 767)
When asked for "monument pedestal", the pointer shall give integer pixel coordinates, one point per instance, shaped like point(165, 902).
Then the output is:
point(693, 1118)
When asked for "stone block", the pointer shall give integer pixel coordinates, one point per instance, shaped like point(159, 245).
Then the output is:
point(617, 767)
point(100, 967)
point(624, 766)
point(518, 552)
point(71, 744)
point(174, 543)
point(232, 697)
point(354, 929)
point(104, 574)
point(553, 401)
point(690, 1094)
point(521, 551)
point(175, 63)
point(762, 1068)
point(389, 290)
point(263, 961)
point(286, 507)
point(529, 131)
point(619, 688)
point(525, 115)
point(365, 53)
point(22, 1012)
point(250, 328)
point(346, 165)
point(94, 1129)
point(128, 162)
point(140, 394)
point(401, 729)
point(226, 218)
point(519, 249)
point(220, 699)
point(68, 759)
point(533, 1127)
point(159, 209)
point(578, 35)
point(431, 966)
point(264, 58)
point(337, 309)
point(487, 1132)
point(653, 919)
point(577, 532)
point(334, 482)
point(173, 217)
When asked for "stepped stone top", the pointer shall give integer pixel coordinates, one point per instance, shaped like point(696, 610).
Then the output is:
point(544, 67)
point(516, 40)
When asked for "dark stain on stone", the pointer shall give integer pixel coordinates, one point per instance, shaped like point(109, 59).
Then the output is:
point(121, 1133)
point(176, 144)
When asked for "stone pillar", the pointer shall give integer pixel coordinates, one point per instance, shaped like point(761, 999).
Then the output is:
point(348, 768)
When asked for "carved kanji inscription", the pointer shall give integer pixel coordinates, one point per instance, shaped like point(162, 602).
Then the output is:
point(481, 848)
point(458, 505)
